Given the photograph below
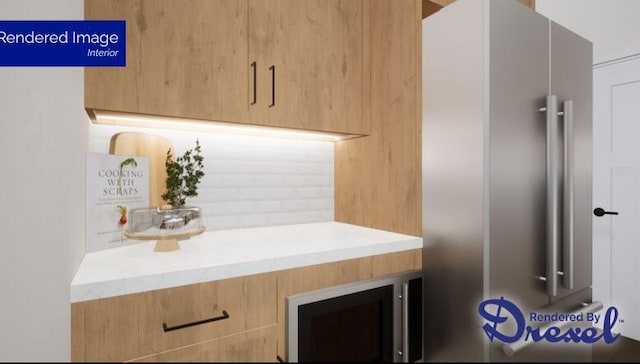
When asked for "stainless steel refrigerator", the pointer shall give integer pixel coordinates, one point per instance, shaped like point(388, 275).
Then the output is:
point(506, 174)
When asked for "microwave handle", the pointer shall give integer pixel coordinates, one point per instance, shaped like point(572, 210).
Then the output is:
point(405, 322)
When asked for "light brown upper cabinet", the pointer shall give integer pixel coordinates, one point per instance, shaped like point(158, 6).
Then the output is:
point(308, 63)
point(185, 58)
point(284, 63)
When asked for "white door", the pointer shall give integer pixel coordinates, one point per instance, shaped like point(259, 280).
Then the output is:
point(616, 188)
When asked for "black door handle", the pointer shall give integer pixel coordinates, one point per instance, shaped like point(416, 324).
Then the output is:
point(254, 67)
point(273, 85)
point(599, 211)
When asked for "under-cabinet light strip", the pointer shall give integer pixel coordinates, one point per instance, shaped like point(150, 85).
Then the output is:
point(163, 122)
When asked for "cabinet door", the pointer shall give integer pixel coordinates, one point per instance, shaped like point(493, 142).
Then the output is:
point(251, 346)
point(314, 48)
point(185, 58)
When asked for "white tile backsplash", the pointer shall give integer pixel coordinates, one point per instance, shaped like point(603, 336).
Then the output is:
point(251, 181)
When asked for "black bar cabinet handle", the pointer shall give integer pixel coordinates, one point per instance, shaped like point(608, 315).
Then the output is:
point(254, 66)
point(166, 328)
point(599, 211)
point(273, 85)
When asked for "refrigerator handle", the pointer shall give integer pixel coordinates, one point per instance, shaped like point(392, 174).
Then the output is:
point(568, 194)
point(553, 202)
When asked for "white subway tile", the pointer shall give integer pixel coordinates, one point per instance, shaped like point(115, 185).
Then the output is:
point(213, 180)
point(315, 157)
point(308, 192)
point(327, 215)
point(254, 194)
point(308, 216)
point(309, 168)
point(295, 180)
point(295, 205)
point(280, 193)
point(319, 204)
point(326, 192)
point(269, 206)
point(221, 167)
point(223, 222)
point(237, 208)
point(254, 167)
point(320, 181)
point(239, 180)
point(269, 180)
point(293, 156)
point(279, 167)
point(327, 168)
point(283, 218)
point(224, 194)
point(212, 208)
point(251, 181)
point(254, 220)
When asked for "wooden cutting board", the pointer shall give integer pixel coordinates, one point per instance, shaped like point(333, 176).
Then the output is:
point(153, 147)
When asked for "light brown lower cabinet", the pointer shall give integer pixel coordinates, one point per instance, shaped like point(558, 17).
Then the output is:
point(257, 345)
point(154, 325)
point(137, 325)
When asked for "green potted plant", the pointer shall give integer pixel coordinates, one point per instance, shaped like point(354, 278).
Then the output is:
point(183, 176)
point(174, 221)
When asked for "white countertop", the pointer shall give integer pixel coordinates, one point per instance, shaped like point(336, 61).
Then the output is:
point(223, 254)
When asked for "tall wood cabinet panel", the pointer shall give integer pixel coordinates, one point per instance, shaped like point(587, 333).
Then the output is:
point(314, 47)
point(185, 58)
point(378, 177)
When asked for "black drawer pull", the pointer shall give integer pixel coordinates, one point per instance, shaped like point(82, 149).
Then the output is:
point(166, 328)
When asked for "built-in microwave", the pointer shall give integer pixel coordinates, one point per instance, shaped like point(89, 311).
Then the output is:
point(376, 320)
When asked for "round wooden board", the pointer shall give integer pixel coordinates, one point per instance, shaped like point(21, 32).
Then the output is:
point(178, 236)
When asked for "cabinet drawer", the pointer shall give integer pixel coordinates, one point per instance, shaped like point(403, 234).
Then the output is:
point(133, 326)
point(251, 346)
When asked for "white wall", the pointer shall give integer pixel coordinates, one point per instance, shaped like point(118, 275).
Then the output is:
point(43, 139)
point(612, 25)
point(251, 180)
